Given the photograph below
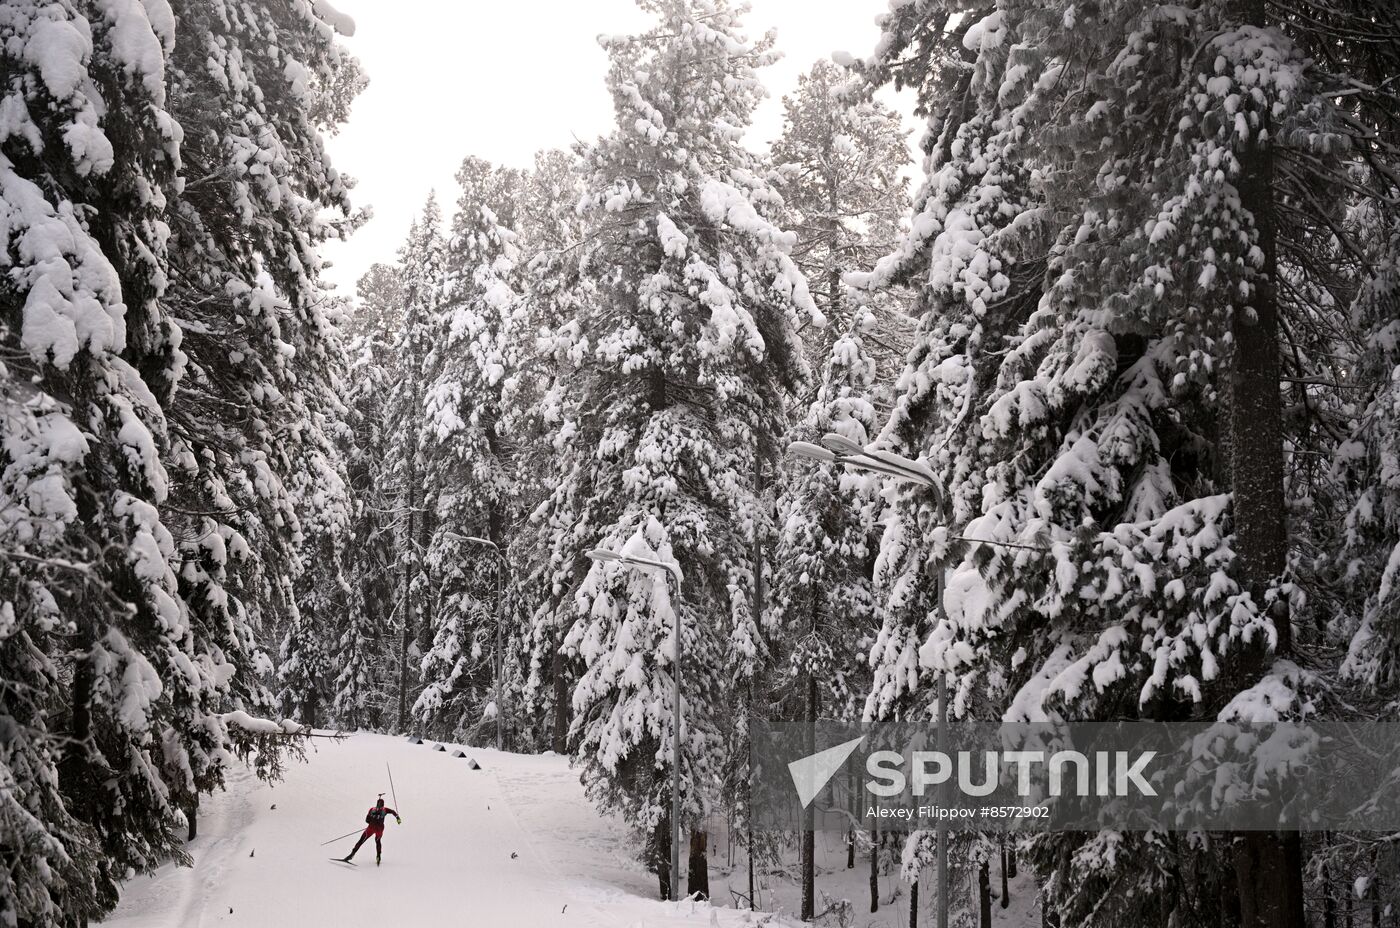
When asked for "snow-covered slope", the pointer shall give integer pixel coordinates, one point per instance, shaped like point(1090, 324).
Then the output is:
point(259, 863)
point(513, 844)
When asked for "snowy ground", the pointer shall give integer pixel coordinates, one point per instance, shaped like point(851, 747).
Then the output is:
point(513, 844)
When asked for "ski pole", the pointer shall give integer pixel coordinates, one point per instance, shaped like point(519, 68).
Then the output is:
point(391, 786)
point(341, 838)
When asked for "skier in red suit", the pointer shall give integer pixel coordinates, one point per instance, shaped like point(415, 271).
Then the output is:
point(374, 825)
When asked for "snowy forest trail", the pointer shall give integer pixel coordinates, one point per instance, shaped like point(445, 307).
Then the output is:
point(515, 843)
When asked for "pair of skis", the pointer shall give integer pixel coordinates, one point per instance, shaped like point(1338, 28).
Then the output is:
point(347, 860)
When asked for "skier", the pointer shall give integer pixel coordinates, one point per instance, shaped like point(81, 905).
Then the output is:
point(374, 825)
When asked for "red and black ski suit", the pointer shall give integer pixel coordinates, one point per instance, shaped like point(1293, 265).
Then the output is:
point(374, 822)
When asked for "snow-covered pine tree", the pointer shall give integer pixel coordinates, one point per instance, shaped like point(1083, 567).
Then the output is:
point(469, 474)
point(683, 360)
point(546, 216)
point(378, 307)
point(1113, 407)
point(498, 188)
point(970, 195)
point(841, 158)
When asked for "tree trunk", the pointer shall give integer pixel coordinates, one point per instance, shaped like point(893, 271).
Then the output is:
point(408, 622)
point(851, 800)
point(1256, 412)
point(192, 817)
point(75, 776)
point(984, 894)
point(495, 535)
point(661, 840)
point(1268, 873)
point(1269, 866)
point(698, 871)
point(423, 604)
point(874, 868)
point(808, 867)
point(1005, 875)
point(809, 846)
point(914, 904)
point(559, 736)
point(748, 853)
point(1329, 902)
point(1373, 889)
point(729, 838)
point(748, 795)
point(313, 702)
point(759, 605)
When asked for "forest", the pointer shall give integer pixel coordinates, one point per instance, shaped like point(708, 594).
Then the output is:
point(1128, 301)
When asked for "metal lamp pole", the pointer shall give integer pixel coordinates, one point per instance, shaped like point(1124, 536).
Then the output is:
point(837, 449)
point(501, 568)
point(645, 564)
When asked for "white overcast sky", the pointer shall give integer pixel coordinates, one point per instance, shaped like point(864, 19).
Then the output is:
point(502, 79)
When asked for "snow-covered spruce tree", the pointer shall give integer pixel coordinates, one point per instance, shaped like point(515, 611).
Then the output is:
point(554, 295)
point(106, 439)
point(686, 349)
point(823, 609)
point(253, 86)
point(1360, 552)
point(469, 475)
point(1113, 407)
point(362, 642)
point(303, 665)
point(89, 598)
point(422, 259)
point(1371, 461)
point(306, 668)
point(1367, 251)
point(324, 587)
point(363, 687)
point(841, 159)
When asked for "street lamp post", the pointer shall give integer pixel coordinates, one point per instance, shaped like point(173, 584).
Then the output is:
point(672, 568)
point(501, 568)
point(837, 449)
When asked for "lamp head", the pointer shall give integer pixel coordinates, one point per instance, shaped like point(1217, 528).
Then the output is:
point(840, 444)
point(805, 449)
point(602, 554)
